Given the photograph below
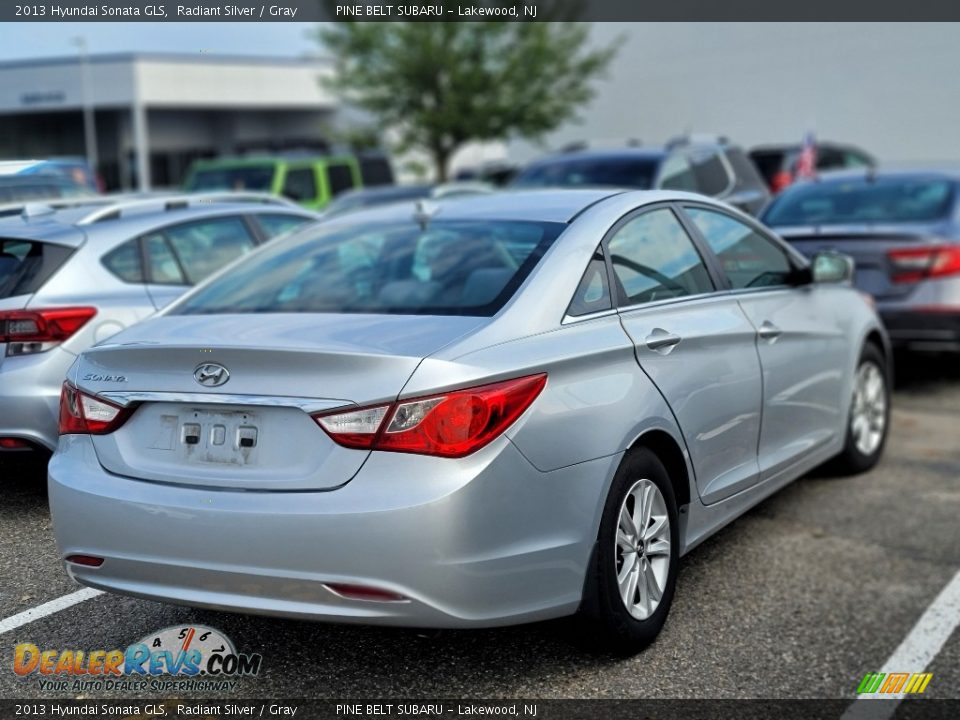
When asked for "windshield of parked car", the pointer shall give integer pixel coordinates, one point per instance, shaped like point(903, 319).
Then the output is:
point(447, 268)
point(865, 200)
point(627, 172)
point(257, 178)
point(369, 198)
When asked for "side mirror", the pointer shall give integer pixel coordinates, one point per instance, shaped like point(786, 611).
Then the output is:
point(832, 267)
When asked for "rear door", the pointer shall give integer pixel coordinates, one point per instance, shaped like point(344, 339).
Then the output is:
point(802, 347)
point(695, 345)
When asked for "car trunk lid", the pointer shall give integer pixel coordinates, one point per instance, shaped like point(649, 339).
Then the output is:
point(870, 247)
point(253, 430)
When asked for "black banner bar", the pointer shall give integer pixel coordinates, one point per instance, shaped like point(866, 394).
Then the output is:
point(912, 709)
point(474, 10)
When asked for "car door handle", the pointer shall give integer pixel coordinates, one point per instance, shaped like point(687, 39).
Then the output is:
point(769, 331)
point(661, 341)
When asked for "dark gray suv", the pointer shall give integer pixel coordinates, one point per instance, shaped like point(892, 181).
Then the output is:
point(712, 167)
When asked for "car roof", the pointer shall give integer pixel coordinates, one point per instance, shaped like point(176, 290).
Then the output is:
point(65, 225)
point(550, 205)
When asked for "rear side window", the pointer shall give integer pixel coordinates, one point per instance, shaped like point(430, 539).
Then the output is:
point(340, 178)
point(448, 268)
point(745, 170)
point(300, 184)
point(124, 262)
point(748, 258)
point(275, 224)
point(204, 247)
point(710, 173)
point(164, 269)
point(677, 174)
point(653, 258)
point(593, 293)
point(25, 265)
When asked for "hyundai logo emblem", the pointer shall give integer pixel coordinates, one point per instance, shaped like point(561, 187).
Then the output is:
point(211, 374)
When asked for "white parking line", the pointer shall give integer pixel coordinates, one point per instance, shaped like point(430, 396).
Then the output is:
point(915, 653)
point(48, 608)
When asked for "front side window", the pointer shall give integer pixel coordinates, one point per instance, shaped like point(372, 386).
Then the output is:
point(748, 258)
point(653, 258)
point(448, 268)
point(206, 246)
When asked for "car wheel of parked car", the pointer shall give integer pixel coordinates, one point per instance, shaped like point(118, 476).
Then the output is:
point(869, 413)
point(631, 585)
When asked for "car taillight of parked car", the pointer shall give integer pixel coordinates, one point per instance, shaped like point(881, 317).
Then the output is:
point(82, 414)
point(920, 263)
point(27, 332)
point(452, 424)
point(781, 181)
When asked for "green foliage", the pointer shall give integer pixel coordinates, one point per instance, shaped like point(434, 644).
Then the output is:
point(439, 85)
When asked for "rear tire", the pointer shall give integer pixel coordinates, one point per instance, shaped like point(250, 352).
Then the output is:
point(869, 420)
point(633, 572)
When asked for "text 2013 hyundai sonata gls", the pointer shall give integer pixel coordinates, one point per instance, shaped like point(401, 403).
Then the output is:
point(491, 411)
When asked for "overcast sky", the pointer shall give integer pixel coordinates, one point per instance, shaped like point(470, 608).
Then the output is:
point(32, 40)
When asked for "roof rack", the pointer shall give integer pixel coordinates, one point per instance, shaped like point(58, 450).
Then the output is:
point(178, 202)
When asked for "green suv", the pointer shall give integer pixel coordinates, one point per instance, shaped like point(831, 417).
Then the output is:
point(312, 181)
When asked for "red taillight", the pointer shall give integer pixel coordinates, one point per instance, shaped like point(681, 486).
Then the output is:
point(82, 414)
point(88, 560)
point(919, 263)
point(453, 424)
point(781, 180)
point(32, 331)
point(11, 443)
point(365, 592)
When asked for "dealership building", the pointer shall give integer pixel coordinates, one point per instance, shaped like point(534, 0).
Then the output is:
point(155, 113)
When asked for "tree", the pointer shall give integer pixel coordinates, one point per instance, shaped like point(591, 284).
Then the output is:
point(440, 85)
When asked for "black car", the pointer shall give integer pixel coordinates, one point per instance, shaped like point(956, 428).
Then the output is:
point(714, 168)
point(778, 163)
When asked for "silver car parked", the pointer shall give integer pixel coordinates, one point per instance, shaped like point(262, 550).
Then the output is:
point(489, 411)
point(75, 274)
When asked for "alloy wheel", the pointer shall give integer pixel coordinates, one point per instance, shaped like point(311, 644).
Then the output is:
point(643, 549)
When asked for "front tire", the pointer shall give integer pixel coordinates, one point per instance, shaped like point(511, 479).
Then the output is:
point(631, 584)
point(869, 420)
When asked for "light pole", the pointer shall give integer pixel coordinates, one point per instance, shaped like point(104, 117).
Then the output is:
point(89, 122)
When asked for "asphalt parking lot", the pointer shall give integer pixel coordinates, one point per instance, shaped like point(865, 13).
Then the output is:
point(799, 598)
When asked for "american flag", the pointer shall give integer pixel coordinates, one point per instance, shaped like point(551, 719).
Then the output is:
point(807, 160)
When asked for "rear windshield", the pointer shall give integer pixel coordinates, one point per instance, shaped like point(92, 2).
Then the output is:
point(591, 172)
point(258, 178)
point(882, 200)
point(25, 265)
point(449, 268)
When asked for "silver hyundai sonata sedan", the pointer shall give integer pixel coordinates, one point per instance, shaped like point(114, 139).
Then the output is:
point(487, 411)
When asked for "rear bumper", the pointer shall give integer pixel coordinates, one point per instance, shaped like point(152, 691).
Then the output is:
point(924, 328)
point(482, 541)
point(30, 396)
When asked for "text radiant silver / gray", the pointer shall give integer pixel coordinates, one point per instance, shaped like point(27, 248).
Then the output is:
point(490, 411)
